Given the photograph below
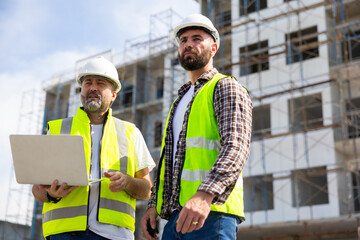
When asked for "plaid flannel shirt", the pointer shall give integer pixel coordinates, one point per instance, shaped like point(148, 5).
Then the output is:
point(233, 109)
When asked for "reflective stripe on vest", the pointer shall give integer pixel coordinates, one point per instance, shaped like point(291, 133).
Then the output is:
point(66, 126)
point(194, 176)
point(202, 142)
point(70, 212)
point(62, 213)
point(122, 141)
point(117, 206)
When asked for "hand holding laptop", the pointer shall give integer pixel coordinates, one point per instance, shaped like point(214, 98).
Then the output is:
point(58, 191)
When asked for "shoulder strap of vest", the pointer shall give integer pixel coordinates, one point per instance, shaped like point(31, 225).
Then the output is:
point(122, 141)
point(66, 124)
point(225, 76)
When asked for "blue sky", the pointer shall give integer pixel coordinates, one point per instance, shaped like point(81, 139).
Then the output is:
point(41, 39)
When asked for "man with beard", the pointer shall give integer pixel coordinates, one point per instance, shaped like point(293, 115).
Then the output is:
point(115, 152)
point(206, 144)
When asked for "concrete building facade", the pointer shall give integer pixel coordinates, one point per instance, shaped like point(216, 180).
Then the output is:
point(300, 62)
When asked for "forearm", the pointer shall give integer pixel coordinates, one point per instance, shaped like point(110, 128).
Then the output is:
point(152, 200)
point(204, 196)
point(39, 194)
point(138, 188)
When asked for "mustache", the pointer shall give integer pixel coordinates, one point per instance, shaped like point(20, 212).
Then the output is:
point(188, 50)
point(93, 93)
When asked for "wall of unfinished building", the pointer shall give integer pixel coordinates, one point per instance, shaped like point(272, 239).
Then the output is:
point(293, 171)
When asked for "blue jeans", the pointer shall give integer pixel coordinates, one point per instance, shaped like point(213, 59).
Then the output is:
point(82, 235)
point(217, 226)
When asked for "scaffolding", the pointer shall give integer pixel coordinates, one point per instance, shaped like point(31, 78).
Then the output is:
point(19, 209)
point(300, 61)
point(313, 111)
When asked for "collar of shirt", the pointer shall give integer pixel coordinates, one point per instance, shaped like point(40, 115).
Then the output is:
point(206, 76)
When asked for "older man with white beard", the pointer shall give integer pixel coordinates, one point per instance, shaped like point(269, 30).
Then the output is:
point(115, 152)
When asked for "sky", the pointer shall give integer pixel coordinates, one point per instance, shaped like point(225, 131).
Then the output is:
point(41, 39)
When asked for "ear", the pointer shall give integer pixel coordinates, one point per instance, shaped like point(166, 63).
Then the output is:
point(214, 48)
point(114, 95)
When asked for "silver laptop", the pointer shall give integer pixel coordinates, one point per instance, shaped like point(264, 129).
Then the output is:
point(40, 159)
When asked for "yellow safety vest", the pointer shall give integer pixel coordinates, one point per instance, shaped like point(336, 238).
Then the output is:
point(117, 154)
point(202, 149)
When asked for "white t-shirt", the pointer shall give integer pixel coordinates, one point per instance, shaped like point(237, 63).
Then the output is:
point(179, 117)
point(143, 160)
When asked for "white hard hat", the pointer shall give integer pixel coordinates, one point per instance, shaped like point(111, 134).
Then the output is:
point(100, 67)
point(198, 20)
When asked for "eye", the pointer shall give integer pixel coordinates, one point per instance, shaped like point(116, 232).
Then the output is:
point(182, 40)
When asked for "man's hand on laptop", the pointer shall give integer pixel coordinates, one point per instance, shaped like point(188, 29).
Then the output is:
point(58, 191)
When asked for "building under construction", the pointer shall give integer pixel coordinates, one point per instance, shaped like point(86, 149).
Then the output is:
point(300, 61)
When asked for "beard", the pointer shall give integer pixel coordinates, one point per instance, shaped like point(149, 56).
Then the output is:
point(194, 62)
point(95, 104)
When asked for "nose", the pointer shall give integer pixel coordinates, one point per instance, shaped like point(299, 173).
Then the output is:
point(93, 86)
point(186, 48)
point(188, 45)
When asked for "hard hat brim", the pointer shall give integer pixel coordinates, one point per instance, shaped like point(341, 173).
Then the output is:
point(115, 83)
point(213, 32)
